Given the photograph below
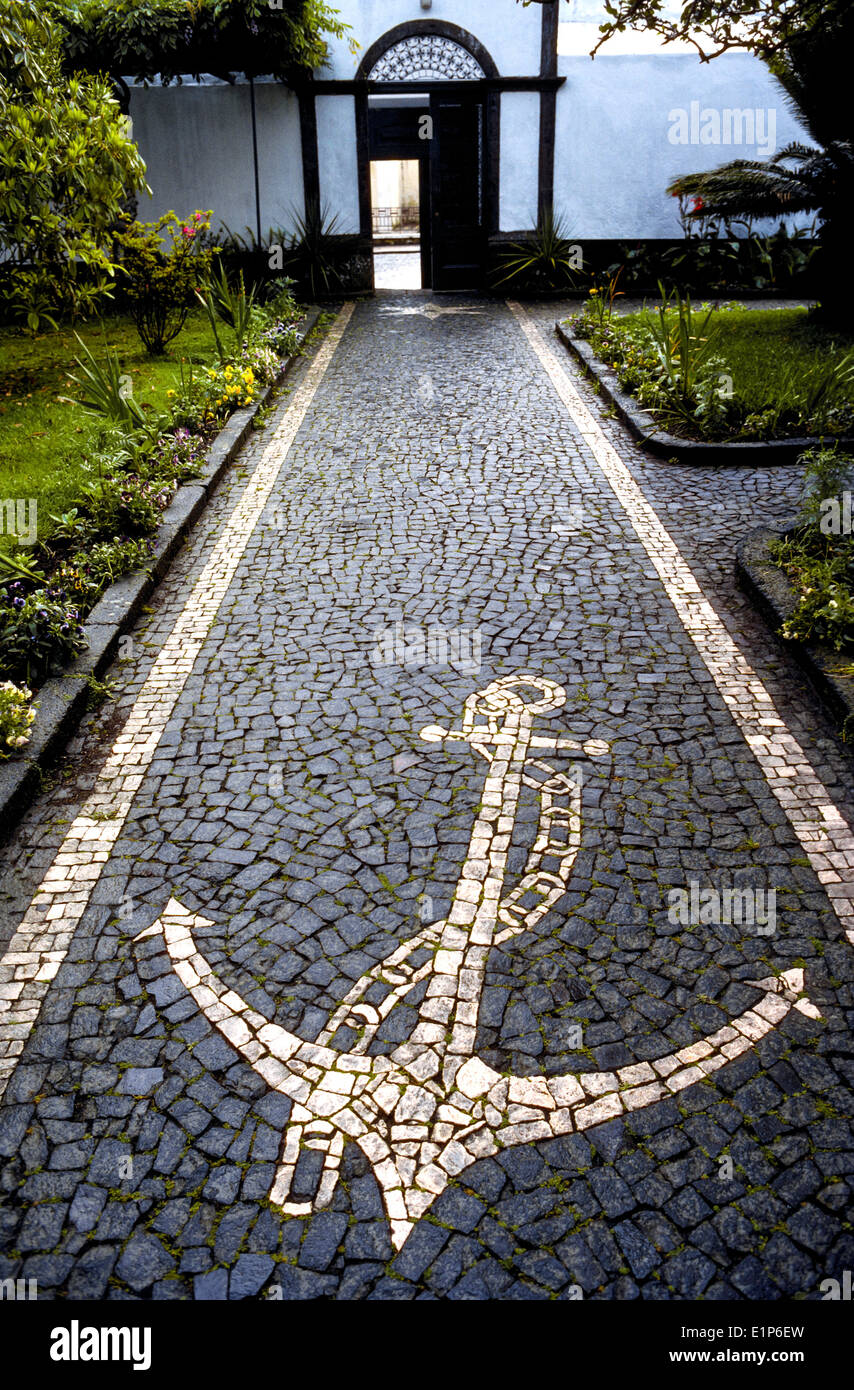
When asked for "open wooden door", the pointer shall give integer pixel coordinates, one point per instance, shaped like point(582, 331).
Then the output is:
point(457, 176)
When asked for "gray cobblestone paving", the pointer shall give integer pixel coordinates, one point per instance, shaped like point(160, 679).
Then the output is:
point(437, 480)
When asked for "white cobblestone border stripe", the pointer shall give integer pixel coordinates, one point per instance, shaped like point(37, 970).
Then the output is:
point(40, 944)
point(826, 837)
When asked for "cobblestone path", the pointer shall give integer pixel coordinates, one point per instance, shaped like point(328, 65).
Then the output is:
point(346, 958)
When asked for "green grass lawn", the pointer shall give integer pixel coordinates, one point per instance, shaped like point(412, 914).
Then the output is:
point(45, 441)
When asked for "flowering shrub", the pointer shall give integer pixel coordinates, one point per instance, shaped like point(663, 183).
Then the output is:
point(38, 632)
point(819, 561)
point(215, 392)
point(16, 716)
point(84, 575)
point(161, 284)
point(173, 459)
point(126, 504)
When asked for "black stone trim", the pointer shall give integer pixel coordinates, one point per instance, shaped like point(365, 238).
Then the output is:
point(548, 109)
point(428, 27)
point(310, 158)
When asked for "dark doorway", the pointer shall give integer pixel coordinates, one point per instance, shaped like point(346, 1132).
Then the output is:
point(445, 134)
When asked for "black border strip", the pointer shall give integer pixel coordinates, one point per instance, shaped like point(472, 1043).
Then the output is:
point(310, 157)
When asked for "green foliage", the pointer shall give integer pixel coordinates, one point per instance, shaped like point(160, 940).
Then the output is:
point(733, 373)
point(824, 580)
point(683, 345)
point(811, 66)
point(85, 574)
point(162, 283)
point(66, 166)
point(547, 260)
point(16, 716)
point(165, 38)
point(309, 254)
point(43, 598)
point(818, 559)
point(105, 385)
point(230, 305)
point(39, 631)
point(126, 505)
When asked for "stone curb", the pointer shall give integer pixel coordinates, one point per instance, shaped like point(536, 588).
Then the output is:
point(62, 700)
point(741, 453)
point(776, 600)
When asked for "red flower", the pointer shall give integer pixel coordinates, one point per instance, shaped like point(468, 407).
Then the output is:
point(697, 204)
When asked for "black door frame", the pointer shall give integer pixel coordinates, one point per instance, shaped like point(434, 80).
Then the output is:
point(407, 146)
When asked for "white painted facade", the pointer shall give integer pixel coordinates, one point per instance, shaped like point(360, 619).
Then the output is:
point(614, 133)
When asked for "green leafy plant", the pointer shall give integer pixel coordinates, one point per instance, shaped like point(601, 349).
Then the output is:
point(167, 38)
point(67, 164)
point(164, 264)
point(13, 562)
point(39, 631)
point(126, 505)
point(824, 581)
point(16, 717)
point(104, 384)
point(309, 255)
point(816, 178)
point(86, 573)
point(683, 344)
point(547, 260)
point(232, 305)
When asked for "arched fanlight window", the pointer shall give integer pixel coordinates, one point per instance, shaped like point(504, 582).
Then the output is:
point(426, 58)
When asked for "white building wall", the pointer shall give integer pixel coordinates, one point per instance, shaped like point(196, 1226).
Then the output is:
point(616, 115)
point(196, 140)
point(337, 161)
point(520, 161)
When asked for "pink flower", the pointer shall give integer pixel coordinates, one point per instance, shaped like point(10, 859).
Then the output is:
point(197, 217)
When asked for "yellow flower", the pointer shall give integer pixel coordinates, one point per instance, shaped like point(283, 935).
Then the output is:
point(170, 393)
point(228, 372)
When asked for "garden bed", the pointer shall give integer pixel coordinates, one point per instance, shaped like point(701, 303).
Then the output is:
point(777, 394)
point(46, 441)
point(62, 700)
point(831, 673)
